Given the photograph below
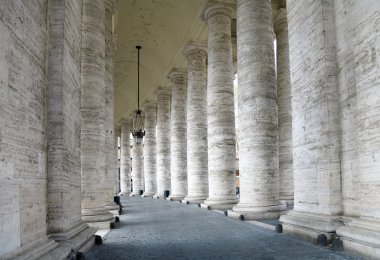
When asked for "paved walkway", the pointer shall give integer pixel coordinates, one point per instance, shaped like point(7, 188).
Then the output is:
point(158, 229)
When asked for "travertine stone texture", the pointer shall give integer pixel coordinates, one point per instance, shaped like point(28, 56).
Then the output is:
point(137, 169)
point(257, 110)
point(125, 157)
point(197, 167)
point(163, 141)
point(23, 202)
point(220, 107)
point(358, 58)
point(150, 159)
point(284, 103)
point(110, 159)
point(178, 146)
point(63, 128)
point(315, 108)
point(93, 114)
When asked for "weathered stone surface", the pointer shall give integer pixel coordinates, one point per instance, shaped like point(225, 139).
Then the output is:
point(137, 169)
point(315, 107)
point(125, 157)
point(109, 124)
point(257, 109)
point(197, 158)
point(358, 59)
point(178, 147)
point(63, 129)
point(93, 114)
point(150, 159)
point(220, 108)
point(284, 102)
point(163, 141)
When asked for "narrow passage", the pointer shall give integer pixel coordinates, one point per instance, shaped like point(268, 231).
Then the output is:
point(158, 229)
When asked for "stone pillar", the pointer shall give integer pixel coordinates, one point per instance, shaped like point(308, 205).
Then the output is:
point(178, 150)
point(137, 169)
point(163, 142)
point(257, 109)
point(63, 129)
point(92, 111)
point(220, 104)
point(197, 170)
point(150, 159)
point(109, 122)
point(315, 120)
point(284, 103)
point(125, 157)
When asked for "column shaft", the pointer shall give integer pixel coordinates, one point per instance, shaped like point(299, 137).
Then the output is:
point(257, 108)
point(92, 112)
point(197, 170)
point(220, 104)
point(163, 142)
point(150, 159)
point(125, 158)
point(178, 150)
point(137, 169)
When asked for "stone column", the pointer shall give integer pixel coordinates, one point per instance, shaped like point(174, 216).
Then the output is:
point(178, 150)
point(92, 111)
point(137, 169)
point(109, 122)
point(257, 109)
point(116, 187)
point(197, 170)
point(315, 120)
point(125, 157)
point(284, 103)
point(150, 159)
point(220, 104)
point(63, 129)
point(163, 142)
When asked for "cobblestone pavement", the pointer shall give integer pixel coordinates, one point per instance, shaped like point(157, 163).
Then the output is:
point(158, 229)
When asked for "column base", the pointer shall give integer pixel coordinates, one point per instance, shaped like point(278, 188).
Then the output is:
point(78, 238)
point(156, 196)
point(34, 250)
point(213, 204)
point(361, 236)
point(251, 212)
point(113, 208)
point(310, 225)
point(99, 219)
point(148, 195)
point(194, 200)
point(175, 197)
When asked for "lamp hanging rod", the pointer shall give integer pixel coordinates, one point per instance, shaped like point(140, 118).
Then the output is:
point(138, 77)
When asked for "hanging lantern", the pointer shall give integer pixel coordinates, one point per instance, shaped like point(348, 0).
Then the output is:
point(138, 131)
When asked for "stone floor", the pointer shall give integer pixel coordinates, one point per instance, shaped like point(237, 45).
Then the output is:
point(158, 229)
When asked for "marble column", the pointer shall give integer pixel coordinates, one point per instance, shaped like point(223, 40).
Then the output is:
point(315, 121)
point(150, 159)
point(257, 109)
point(109, 112)
point(137, 169)
point(178, 148)
point(220, 104)
point(63, 129)
point(125, 157)
point(163, 142)
point(197, 170)
point(284, 103)
point(92, 112)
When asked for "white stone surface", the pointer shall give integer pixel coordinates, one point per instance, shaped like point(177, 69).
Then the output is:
point(163, 141)
point(284, 102)
point(315, 106)
point(197, 157)
point(137, 169)
point(150, 146)
point(93, 113)
point(125, 157)
point(220, 108)
point(178, 145)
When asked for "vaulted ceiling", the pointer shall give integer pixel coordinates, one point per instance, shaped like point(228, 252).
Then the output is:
point(162, 28)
